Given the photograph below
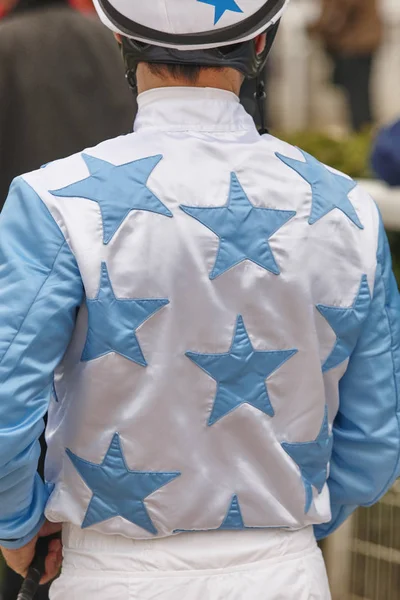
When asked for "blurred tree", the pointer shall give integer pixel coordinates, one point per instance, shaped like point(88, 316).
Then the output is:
point(349, 155)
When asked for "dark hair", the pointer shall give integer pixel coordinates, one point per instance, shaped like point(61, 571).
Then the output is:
point(188, 72)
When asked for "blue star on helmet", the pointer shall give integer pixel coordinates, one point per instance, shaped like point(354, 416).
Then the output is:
point(329, 190)
point(221, 6)
point(312, 459)
point(113, 322)
point(118, 491)
point(243, 230)
point(240, 374)
point(346, 323)
point(118, 190)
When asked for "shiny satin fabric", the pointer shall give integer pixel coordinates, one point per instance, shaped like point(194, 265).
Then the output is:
point(161, 411)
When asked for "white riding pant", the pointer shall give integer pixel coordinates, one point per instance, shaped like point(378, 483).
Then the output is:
point(216, 565)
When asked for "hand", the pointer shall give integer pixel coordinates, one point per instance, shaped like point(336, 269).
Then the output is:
point(19, 560)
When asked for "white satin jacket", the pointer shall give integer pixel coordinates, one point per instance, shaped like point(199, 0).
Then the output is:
point(210, 319)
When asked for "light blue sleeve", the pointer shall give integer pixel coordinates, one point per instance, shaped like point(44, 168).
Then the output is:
point(40, 292)
point(366, 448)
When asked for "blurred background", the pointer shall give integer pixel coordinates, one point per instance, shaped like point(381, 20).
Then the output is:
point(333, 89)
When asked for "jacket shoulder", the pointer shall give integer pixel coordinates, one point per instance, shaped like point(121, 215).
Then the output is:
point(73, 168)
point(330, 188)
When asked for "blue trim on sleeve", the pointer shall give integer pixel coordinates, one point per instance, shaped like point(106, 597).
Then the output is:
point(366, 450)
point(40, 291)
point(339, 515)
point(16, 544)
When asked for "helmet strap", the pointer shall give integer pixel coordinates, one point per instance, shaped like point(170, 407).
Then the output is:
point(130, 77)
point(260, 97)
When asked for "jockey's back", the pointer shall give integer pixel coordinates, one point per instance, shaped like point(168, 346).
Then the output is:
point(229, 281)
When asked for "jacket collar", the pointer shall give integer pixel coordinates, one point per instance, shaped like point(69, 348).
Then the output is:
point(192, 109)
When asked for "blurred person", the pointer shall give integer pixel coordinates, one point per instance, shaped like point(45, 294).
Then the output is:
point(62, 86)
point(351, 31)
point(386, 154)
point(210, 317)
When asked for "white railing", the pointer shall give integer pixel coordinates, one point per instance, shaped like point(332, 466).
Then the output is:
point(363, 556)
point(337, 554)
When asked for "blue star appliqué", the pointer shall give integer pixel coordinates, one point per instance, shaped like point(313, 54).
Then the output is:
point(243, 230)
point(312, 459)
point(118, 189)
point(112, 322)
point(240, 374)
point(233, 519)
point(118, 491)
point(221, 6)
point(329, 190)
point(346, 323)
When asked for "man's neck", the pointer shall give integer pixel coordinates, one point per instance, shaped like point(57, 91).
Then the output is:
point(223, 79)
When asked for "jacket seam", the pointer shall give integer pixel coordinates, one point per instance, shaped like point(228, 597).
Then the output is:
point(62, 244)
point(385, 487)
point(65, 237)
point(33, 301)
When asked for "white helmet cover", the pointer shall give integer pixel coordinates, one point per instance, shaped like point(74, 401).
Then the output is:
point(190, 24)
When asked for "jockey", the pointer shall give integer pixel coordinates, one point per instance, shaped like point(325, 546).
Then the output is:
point(210, 319)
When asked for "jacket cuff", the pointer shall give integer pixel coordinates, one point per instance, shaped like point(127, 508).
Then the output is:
point(340, 513)
point(16, 544)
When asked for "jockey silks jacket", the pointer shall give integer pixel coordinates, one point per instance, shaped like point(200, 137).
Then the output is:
point(210, 318)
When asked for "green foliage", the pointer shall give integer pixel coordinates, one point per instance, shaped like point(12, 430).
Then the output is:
point(351, 156)
point(348, 154)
